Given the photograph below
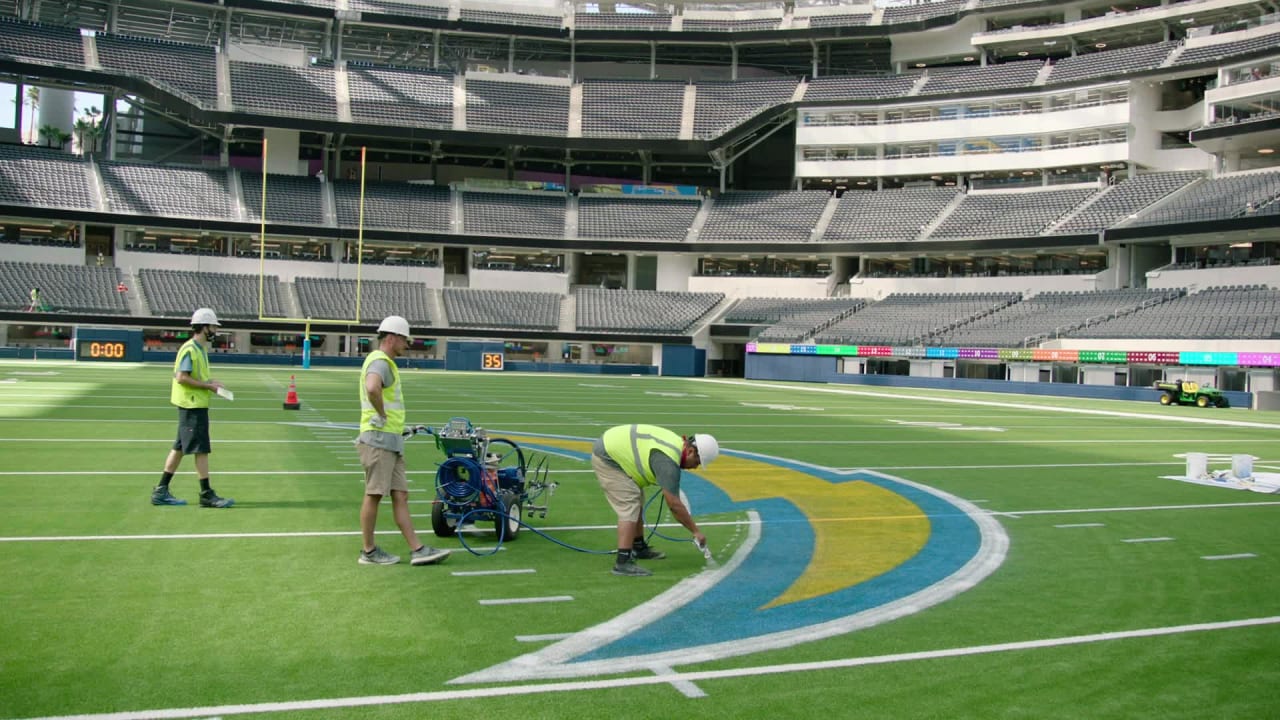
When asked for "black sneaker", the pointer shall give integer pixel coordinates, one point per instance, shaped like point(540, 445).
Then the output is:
point(210, 499)
point(630, 569)
point(644, 552)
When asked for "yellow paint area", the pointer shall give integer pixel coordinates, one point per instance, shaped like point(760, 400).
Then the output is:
point(860, 530)
point(583, 446)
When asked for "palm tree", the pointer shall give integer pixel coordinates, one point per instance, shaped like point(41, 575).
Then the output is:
point(81, 131)
point(33, 101)
point(50, 133)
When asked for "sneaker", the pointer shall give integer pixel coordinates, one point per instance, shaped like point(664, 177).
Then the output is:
point(644, 552)
point(209, 498)
point(160, 496)
point(378, 556)
point(630, 569)
point(428, 556)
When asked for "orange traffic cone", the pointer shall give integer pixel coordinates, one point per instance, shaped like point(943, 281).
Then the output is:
point(291, 401)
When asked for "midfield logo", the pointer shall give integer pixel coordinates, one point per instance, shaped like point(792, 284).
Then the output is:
point(825, 553)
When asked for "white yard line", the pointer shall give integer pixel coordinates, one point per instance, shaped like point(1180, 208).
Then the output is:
point(566, 528)
point(1237, 556)
point(520, 690)
point(526, 600)
point(753, 384)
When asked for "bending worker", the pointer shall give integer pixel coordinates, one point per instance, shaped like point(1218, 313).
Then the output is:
point(629, 458)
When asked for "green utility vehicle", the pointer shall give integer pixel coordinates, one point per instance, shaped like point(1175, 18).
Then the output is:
point(1186, 392)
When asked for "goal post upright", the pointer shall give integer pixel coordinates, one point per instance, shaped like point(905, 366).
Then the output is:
point(307, 322)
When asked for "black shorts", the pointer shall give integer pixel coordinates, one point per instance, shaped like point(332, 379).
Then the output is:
point(193, 431)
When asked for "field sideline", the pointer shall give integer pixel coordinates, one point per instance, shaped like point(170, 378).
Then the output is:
point(881, 553)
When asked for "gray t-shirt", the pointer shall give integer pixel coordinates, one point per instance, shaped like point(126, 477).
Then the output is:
point(376, 438)
point(666, 470)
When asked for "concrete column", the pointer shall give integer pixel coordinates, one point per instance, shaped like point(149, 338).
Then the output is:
point(57, 108)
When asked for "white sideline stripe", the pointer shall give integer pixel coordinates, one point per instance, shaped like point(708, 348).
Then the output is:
point(1068, 511)
point(1080, 525)
point(644, 681)
point(220, 472)
point(526, 601)
point(472, 573)
point(549, 637)
point(562, 528)
point(736, 443)
point(753, 384)
point(686, 688)
point(1147, 540)
point(1237, 556)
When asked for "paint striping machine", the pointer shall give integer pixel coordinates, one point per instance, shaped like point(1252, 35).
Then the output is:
point(485, 478)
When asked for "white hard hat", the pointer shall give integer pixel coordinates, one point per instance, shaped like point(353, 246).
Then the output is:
point(708, 448)
point(394, 324)
point(204, 316)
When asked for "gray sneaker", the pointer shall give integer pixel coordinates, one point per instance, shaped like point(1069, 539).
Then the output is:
point(160, 496)
point(378, 556)
point(426, 555)
point(630, 569)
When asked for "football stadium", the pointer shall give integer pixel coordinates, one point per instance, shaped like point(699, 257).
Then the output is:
point(980, 300)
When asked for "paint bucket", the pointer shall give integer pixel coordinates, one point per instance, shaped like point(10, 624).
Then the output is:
point(1242, 466)
point(1197, 466)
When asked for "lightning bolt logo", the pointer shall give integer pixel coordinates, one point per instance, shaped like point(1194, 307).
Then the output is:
point(826, 553)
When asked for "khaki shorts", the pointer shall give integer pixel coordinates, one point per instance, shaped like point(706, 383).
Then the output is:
point(383, 470)
point(623, 494)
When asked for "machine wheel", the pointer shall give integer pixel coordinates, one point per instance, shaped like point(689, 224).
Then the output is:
point(1223, 402)
point(1202, 401)
point(443, 526)
point(1166, 398)
point(508, 526)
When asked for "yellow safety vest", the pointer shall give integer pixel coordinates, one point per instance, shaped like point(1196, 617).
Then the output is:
point(392, 398)
point(182, 395)
point(630, 445)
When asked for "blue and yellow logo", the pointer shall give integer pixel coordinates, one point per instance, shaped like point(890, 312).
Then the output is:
point(826, 553)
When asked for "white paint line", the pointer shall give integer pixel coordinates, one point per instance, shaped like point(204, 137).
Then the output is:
point(527, 601)
point(559, 528)
point(1147, 540)
point(193, 536)
point(650, 680)
point(1140, 508)
point(686, 688)
point(549, 637)
point(473, 573)
point(1237, 556)
point(755, 384)
point(1080, 525)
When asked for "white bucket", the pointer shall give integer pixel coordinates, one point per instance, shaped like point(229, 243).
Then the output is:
point(1197, 465)
point(1242, 466)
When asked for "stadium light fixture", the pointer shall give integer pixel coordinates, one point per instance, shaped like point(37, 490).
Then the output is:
point(1265, 151)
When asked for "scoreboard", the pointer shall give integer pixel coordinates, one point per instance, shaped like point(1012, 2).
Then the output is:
point(108, 345)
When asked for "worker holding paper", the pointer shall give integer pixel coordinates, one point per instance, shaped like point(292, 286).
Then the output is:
point(190, 391)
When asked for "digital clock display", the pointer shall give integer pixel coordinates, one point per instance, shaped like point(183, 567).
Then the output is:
point(491, 361)
point(101, 350)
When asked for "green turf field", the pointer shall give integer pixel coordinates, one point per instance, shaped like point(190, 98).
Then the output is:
point(1118, 594)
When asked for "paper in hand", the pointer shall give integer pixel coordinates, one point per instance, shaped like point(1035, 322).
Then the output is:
point(225, 393)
